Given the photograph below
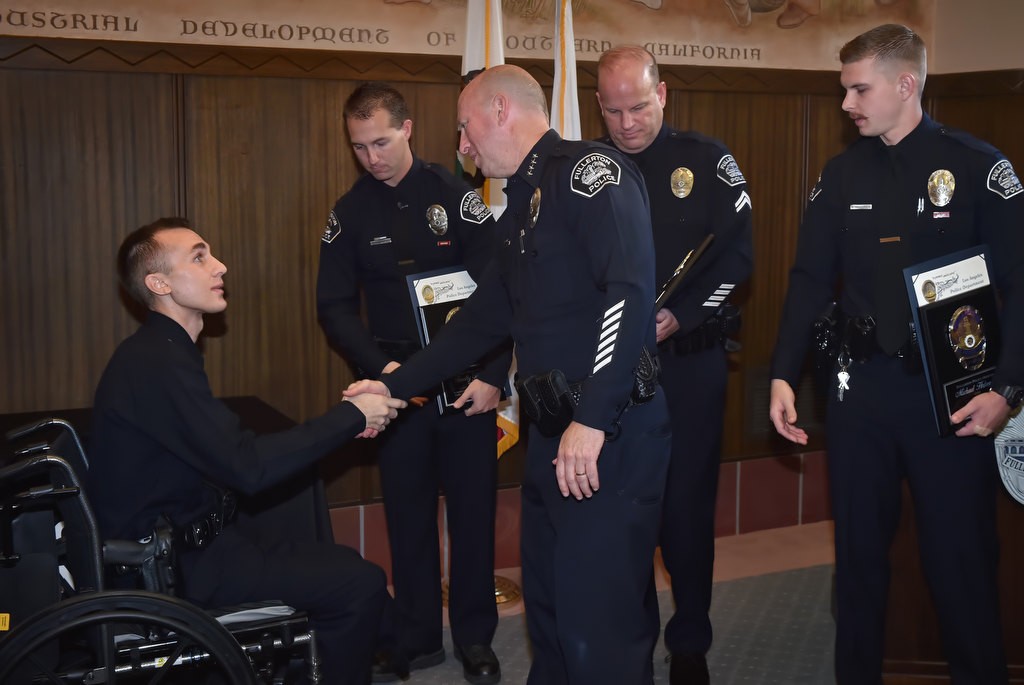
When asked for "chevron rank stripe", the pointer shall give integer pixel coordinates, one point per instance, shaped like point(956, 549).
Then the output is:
point(609, 334)
point(718, 297)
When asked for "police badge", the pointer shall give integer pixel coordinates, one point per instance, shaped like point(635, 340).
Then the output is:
point(941, 185)
point(437, 219)
point(1009, 444)
point(682, 182)
point(967, 337)
point(534, 207)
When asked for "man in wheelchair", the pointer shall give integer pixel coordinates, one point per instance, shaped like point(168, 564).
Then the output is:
point(164, 451)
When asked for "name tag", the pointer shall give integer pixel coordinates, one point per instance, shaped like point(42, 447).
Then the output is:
point(860, 206)
point(380, 240)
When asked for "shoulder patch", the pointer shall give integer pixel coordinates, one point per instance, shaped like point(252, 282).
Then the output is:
point(473, 209)
point(729, 171)
point(1003, 180)
point(594, 172)
point(333, 229)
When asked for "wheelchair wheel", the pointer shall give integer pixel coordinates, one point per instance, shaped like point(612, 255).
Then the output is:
point(123, 637)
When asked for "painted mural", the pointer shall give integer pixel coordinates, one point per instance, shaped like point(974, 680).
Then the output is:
point(778, 34)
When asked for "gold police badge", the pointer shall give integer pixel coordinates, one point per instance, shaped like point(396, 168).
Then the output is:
point(437, 219)
point(534, 208)
point(451, 313)
point(682, 182)
point(967, 337)
point(428, 294)
point(940, 187)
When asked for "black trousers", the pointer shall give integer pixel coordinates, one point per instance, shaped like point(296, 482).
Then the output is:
point(880, 434)
point(344, 594)
point(695, 387)
point(588, 571)
point(420, 452)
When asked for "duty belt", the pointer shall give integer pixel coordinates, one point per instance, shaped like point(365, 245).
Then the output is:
point(550, 401)
point(205, 529)
point(710, 333)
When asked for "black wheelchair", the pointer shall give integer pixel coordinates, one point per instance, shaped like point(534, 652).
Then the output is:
point(60, 624)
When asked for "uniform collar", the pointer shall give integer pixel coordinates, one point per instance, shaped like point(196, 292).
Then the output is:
point(409, 179)
point(532, 168)
point(917, 141)
point(655, 145)
point(166, 327)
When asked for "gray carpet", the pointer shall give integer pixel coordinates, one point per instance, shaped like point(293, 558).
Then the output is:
point(774, 629)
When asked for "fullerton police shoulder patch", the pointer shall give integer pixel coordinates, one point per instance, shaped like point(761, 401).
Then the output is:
point(1003, 180)
point(473, 209)
point(729, 171)
point(333, 229)
point(594, 172)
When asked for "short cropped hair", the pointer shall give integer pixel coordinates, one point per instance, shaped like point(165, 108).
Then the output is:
point(889, 43)
point(140, 254)
point(368, 97)
point(623, 52)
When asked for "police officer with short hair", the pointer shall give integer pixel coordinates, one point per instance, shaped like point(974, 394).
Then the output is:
point(165, 452)
point(403, 217)
point(877, 208)
point(573, 282)
point(696, 188)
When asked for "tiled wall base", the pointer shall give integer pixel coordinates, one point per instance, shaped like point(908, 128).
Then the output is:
point(753, 495)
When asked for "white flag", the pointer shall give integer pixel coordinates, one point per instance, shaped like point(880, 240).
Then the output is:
point(484, 48)
point(565, 103)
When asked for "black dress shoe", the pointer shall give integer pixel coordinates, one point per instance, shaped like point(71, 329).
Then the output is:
point(479, 664)
point(392, 665)
point(688, 669)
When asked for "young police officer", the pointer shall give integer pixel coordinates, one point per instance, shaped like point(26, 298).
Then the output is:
point(406, 216)
point(164, 447)
point(574, 283)
point(696, 188)
point(909, 190)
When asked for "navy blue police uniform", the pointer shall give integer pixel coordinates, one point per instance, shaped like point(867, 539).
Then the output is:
point(376, 236)
point(162, 446)
point(869, 216)
point(696, 188)
point(573, 282)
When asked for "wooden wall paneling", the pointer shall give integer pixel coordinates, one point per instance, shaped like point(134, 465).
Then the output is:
point(265, 160)
point(84, 158)
point(994, 118)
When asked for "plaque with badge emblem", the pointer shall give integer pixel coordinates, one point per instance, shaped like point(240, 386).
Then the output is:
point(437, 297)
point(954, 307)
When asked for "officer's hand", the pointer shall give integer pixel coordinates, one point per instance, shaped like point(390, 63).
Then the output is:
point(480, 397)
point(378, 410)
point(576, 463)
point(782, 411)
point(366, 386)
point(985, 414)
point(665, 324)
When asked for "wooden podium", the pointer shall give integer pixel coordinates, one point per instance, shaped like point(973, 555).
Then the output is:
point(913, 648)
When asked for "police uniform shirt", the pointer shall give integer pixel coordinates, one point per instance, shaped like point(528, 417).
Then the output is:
point(375, 237)
point(159, 435)
point(573, 280)
point(873, 198)
point(696, 188)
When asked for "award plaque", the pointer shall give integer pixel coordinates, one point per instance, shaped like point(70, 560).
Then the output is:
point(954, 307)
point(436, 298)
